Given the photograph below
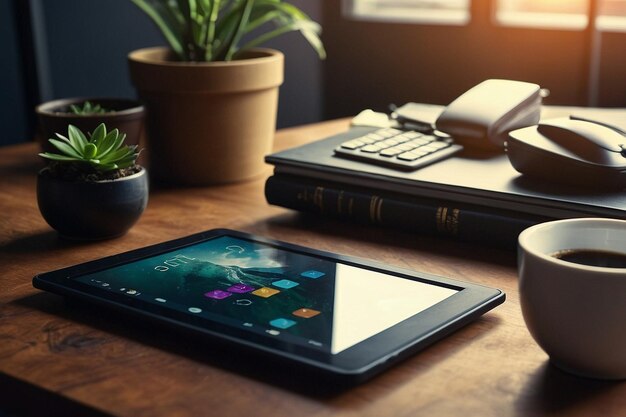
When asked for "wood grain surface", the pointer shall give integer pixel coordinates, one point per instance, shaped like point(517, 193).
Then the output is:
point(63, 359)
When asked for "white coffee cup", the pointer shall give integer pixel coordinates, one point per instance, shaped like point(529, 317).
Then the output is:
point(576, 313)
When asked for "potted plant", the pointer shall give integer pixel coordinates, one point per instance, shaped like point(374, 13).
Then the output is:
point(211, 100)
point(93, 188)
point(87, 113)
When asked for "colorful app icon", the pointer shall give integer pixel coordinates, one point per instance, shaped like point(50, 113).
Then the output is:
point(285, 283)
point(312, 274)
point(240, 288)
point(265, 292)
point(282, 323)
point(305, 313)
point(217, 294)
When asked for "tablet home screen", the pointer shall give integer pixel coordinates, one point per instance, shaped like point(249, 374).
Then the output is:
point(282, 294)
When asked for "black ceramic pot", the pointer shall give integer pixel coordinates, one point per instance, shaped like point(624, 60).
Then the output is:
point(92, 210)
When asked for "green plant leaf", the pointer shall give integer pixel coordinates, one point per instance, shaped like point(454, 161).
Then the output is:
point(211, 30)
point(57, 157)
point(63, 138)
point(108, 143)
point(163, 19)
point(260, 17)
point(229, 47)
point(89, 151)
point(98, 134)
point(104, 167)
point(77, 138)
point(87, 108)
point(119, 139)
point(126, 162)
point(65, 148)
point(116, 155)
point(287, 18)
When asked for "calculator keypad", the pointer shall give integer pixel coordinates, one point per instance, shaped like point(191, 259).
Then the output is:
point(398, 149)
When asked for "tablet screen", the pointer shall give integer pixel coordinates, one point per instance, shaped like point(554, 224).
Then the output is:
point(299, 298)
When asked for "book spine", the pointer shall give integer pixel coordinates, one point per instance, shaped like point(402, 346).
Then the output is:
point(471, 223)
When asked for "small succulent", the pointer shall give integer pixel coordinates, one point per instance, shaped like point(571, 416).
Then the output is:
point(87, 108)
point(102, 151)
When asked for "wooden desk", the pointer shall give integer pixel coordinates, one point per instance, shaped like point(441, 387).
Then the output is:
point(56, 360)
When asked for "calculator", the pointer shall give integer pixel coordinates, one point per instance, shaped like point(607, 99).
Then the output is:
point(400, 149)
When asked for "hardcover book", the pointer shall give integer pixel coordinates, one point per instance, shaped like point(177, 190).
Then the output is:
point(480, 183)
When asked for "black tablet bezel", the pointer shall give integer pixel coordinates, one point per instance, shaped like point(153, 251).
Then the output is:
point(359, 361)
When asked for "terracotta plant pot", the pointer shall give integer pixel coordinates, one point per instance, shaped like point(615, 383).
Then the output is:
point(54, 118)
point(208, 123)
point(92, 210)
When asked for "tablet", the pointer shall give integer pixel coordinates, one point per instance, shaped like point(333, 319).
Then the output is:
point(341, 315)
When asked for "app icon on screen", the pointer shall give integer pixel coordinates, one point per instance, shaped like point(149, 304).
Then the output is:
point(282, 323)
point(217, 294)
point(240, 288)
point(305, 313)
point(265, 292)
point(285, 283)
point(312, 274)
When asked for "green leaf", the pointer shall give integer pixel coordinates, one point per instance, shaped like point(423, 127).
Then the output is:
point(98, 134)
point(65, 148)
point(116, 155)
point(108, 142)
point(116, 144)
point(163, 19)
point(89, 151)
point(125, 163)
point(289, 18)
point(211, 30)
point(77, 138)
point(105, 167)
point(229, 47)
point(57, 157)
point(63, 138)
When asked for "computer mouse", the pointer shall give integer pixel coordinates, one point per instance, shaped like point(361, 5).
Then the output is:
point(570, 151)
point(588, 140)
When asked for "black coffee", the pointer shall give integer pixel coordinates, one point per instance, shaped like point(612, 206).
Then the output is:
point(591, 257)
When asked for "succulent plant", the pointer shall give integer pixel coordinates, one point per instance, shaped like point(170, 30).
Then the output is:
point(103, 151)
point(211, 30)
point(87, 108)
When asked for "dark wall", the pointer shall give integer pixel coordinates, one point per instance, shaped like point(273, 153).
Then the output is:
point(80, 48)
point(86, 43)
point(14, 123)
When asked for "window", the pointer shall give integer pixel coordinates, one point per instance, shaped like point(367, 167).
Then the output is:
point(453, 12)
point(557, 14)
point(610, 15)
